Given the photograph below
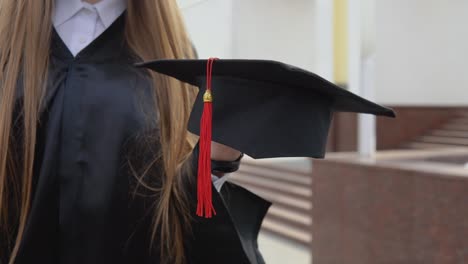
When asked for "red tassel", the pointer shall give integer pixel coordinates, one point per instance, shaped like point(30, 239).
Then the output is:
point(204, 196)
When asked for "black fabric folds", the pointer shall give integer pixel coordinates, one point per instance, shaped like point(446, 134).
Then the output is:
point(94, 131)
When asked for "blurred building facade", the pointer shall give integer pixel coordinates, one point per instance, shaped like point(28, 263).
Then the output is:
point(414, 52)
point(409, 55)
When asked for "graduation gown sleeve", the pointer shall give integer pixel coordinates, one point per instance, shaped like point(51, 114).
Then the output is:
point(231, 235)
point(247, 211)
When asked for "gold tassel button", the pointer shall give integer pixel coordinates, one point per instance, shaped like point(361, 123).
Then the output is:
point(207, 97)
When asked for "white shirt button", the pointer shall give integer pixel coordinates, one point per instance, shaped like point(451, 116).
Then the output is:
point(82, 40)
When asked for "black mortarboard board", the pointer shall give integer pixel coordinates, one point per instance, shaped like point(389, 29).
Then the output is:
point(266, 108)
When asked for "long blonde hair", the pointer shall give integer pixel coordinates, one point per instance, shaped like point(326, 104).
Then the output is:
point(154, 29)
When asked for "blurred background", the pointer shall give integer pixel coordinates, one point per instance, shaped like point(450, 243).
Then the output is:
point(389, 191)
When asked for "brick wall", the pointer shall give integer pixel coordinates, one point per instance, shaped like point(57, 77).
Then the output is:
point(368, 213)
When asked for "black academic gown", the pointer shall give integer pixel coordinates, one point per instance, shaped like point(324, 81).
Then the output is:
point(83, 210)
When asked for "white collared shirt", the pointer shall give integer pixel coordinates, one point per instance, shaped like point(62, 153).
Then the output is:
point(78, 23)
point(218, 182)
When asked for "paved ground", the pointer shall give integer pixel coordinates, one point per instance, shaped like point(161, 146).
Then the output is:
point(280, 251)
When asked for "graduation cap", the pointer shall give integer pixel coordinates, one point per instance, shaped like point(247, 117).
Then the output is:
point(263, 108)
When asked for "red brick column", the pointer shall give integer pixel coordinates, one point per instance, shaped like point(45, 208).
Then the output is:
point(369, 214)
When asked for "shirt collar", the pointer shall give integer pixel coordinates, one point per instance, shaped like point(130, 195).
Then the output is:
point(108, 10)
point(64, 10)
